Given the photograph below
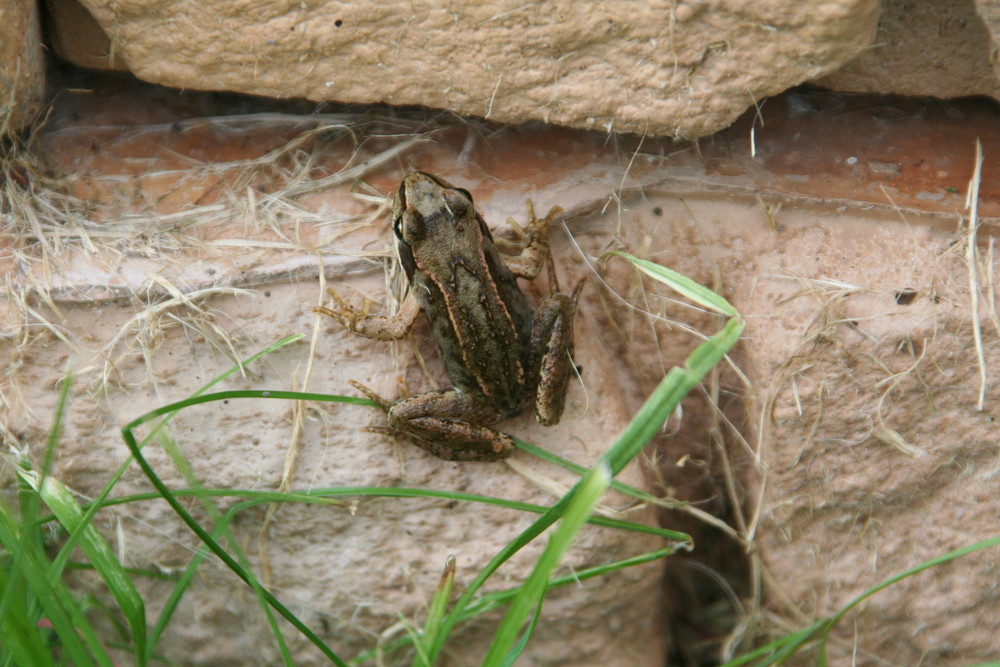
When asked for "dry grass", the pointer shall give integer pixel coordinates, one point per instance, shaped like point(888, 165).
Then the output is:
point(825, 341)
point(260, 201)
point(972, 205)
point(144, 331)
point(48, 229)
point(262, 191)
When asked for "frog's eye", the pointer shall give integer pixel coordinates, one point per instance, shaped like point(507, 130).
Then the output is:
point(409, 227)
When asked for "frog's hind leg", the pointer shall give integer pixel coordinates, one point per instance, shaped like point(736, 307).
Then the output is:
point(449, 424)
point(552, 345)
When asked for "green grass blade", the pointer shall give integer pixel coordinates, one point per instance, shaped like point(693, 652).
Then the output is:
point(44, 598)
point(777, 650)
point(436, 612)
point(495, 599)
point(553, 458)
point(944, 558)
point(518, 648)
point(182, 465)
point(324, 496)
point(49, 595)
point(98, 502)
point(668, 395)
point(591, 488)
point(23, 641)
point(637, 434)
point(98, 552)
point(785, 647)
point(185, 579)
point(681, 284)
point(62, 558)
point(203, 535)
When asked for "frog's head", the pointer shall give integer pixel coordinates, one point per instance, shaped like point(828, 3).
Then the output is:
point(426, 206)
point(434, 220)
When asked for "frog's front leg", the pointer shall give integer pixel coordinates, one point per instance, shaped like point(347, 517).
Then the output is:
point(379, 327)
point(529, 262)
point(552, 350)
point(449, 424)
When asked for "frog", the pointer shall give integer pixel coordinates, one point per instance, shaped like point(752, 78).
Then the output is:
point(498, 352)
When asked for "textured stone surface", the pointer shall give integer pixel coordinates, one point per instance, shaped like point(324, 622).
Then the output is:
point(942, 49)
point(667, 68)
point(682, 68)
point(989, 12)
point(22, 66)
point(878, 458)
point(78, 37)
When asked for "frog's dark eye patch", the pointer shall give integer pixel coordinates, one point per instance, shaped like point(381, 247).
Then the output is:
point(458, 203)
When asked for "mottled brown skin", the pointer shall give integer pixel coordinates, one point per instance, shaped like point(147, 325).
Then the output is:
point(497, 352)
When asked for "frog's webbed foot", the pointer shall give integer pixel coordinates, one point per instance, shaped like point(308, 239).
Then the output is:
point(378, 327)
point(343, 313)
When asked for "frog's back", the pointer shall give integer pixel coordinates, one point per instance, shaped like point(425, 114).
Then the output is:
point(482, 326)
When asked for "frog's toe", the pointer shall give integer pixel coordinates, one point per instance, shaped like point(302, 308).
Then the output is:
point(380, 402)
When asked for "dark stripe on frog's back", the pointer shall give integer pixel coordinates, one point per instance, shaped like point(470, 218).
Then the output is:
point(495, 336)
